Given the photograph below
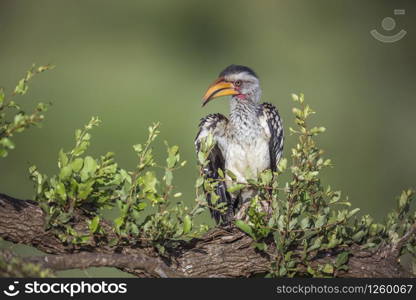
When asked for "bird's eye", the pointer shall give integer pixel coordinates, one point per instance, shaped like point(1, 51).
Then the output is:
point(237, 83)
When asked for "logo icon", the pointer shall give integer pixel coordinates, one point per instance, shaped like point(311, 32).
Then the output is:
point(11, 290)
point(388, 24)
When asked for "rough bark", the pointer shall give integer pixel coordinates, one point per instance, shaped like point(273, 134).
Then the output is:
point(222, 252)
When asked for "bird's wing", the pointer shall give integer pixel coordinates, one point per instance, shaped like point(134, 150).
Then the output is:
point(270, 120)
point(216, 125)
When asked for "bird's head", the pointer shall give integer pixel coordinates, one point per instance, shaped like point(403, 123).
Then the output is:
point(240, 82)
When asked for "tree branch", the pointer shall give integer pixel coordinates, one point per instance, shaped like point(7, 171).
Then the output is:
point(12, 265)
point(84, 260)
point(222, 252)
point(400, 243)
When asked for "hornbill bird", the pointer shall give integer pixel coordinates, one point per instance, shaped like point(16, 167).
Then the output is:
point(247, 143)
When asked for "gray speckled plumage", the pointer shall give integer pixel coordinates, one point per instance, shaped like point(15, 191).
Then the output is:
point(247, 143)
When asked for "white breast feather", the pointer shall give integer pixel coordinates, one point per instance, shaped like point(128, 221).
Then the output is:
point(249, 159)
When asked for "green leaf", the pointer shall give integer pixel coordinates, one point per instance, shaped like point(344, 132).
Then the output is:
point(89, 168)
point(173, 156)
point(353, 212)
point(141, 206)
point(3, 152)
point(65, 173)
point(282, 271)
point(64, 217)
point(214, 198)
point(80, 149)
point(134, 229)
point(138, 148)
point(282, 165)
point(328, 268)
point(235, 188)
point(320, 221)
point(403, 200)
point(359, 236)
point(187, 224)
point(149, 182)
point(333, 241)
point(90, 165)
point(60, 189)
point(244, 227)
point(21, 88)
point(85, 189)
point(304, 223)
point(231, 175)
point(2, 96)
point(77, 164)
point(293, 223)
point(62, 159)
point(118, 222)
point(266, 177)
point(93, 226)
point(311, 271)
point(168, 177)
point(342, 259)
point(316, 245)
point(295, 97)
point(261, 246)
point(201, 158)
point(199, 182)
point(7, 143)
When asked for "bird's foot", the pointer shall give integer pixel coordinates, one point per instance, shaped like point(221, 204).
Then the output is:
point(242, 212)
point(265, 207)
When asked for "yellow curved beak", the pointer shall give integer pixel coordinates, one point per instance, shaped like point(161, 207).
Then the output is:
point(217, 89)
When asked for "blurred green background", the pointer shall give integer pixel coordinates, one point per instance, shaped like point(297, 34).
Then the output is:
point(135, 62)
